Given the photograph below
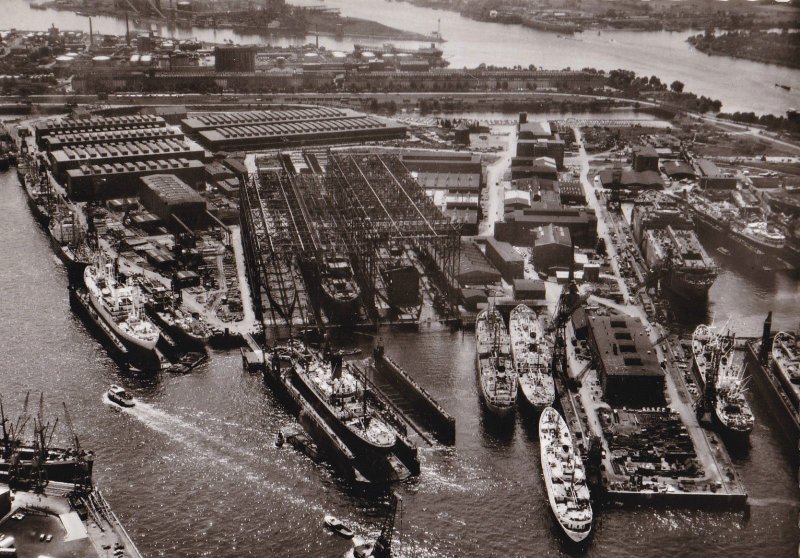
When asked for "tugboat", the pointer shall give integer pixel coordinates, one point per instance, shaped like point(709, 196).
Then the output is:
point(531, 354)
point(338, 527)
point(119, 306)
point(119, 396)
point(723, 386)
point(564, 477)
point(496, 378)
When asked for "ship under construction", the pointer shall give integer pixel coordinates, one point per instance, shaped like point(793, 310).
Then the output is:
point(343, 239)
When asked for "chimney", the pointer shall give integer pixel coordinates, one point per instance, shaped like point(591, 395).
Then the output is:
point(127, 30)
point(91, 35)
point(523, 118)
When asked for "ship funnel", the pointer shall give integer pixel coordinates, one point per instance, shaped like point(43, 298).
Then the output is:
point(766, 338)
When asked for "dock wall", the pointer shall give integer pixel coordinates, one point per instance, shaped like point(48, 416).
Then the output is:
point(441, 424)
point(769, 387)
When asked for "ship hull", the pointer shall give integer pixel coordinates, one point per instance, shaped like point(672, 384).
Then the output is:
point(67, 471)
point(178, 333)
point(683, 287)
point(730, 432)
point(531, 400)
point(340, 311)
point(500, 411)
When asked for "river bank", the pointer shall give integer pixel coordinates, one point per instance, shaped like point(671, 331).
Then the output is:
point(780, 49)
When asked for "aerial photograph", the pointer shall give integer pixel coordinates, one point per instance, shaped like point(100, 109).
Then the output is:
point(399, 278)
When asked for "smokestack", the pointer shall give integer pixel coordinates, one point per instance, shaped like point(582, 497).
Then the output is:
point(91, 35)
point(766, 338)
point(127, 30)
point(523, 118)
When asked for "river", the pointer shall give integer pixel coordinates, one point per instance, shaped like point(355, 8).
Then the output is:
point(741, 85)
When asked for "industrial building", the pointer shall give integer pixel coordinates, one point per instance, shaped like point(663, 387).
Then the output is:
point(645, 158)
point(533, 148)
point(552, 248)
point(239, 131)
point(712, 178)
point(105, 181)
point(628, 179)
point(534, 167)
point(51, 127)
point(121, 153)
point(528, 289)
point(54, 142)
point(519, 224)
point(506, 259)
point(679, 170)
point(474, 267)
point(626, 361)
point(173, 201)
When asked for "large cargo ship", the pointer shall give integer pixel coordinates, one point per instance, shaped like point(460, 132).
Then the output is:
point(120, 307)
point(786, 365)
point(721, 380)
point(27, 461)
point(496, 379)
point(68, 240)
point(564, 476)
point(746, 235)
point(531, 353)
point(671, 248)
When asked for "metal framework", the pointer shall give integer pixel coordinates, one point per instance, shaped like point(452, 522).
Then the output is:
point(381, 205)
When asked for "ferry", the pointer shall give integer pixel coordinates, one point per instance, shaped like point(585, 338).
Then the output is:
point(119, 306)
point(564, 477)
point(531, 354)
point(119, 396)
point(496, 378)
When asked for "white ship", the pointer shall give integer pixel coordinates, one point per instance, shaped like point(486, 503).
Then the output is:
point(496, 378)
point(786, 365)
point(564, 476)
point(119, 306)
point(531, 354)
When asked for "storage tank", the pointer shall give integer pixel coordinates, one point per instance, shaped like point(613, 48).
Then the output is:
point(101, 60)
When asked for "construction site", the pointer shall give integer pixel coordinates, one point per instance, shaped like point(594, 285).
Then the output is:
point(344, 238)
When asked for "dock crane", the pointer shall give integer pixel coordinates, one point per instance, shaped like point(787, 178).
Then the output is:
point(83, 482)
point(383, 545)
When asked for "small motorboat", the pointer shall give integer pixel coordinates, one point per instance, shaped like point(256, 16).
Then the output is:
point(121, 397)
point(338, 527)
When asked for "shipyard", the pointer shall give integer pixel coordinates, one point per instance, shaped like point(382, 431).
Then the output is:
point(343, 297)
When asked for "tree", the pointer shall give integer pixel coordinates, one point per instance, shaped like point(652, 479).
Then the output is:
point(677, 86)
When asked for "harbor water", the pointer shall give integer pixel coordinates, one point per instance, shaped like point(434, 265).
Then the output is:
point(193, 470)
point(741, 85)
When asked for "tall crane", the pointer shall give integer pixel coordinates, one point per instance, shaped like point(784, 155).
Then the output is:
point(383, 545)
point(82, 482)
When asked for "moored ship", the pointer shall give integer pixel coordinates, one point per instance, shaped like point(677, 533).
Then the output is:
point(564, 477)
point(496, 379)
point(531, 354)
point(713, 364)
point(340, 291)
point(120, 307)
point(68, 240)
point(786, 365)
point(671, 248)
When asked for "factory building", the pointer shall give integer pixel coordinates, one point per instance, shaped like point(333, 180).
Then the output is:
point(240, 131)
point(645, 158)
point(679, 170)
point(506, 259)
point(232, 58)
point(519, 224)
point(552, 248)
point(170, 198)
point(121, 152)
point(626, 361)
point(534, 167)
point(534, 148)
point(712, 178)
point(58, 141)
point(529, 290)
point(628, 179)
point(50, 127)
point(474, 267)
point(101, 182)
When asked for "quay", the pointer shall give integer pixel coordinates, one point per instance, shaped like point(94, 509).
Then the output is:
point(60, 521)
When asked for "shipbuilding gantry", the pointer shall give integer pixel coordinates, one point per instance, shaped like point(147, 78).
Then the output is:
point(380, 204)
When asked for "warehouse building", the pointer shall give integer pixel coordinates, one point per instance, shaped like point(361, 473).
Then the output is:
point(171, 199)
point(533, 148)
point(122, 152)
point(628, 179)
point(645, 158)
point(51, 127)
point(552, 248)
point(626, 361)
point(475, 269)
point(518, 225)
point(529, 290)
point(70, 139)
point(712, 178)
point(679, 170)
point(278, 129)
point(102, 182)
point(506, 259)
